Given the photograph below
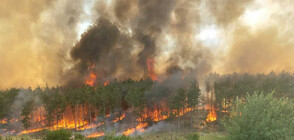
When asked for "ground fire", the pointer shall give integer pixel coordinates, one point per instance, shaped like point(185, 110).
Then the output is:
point(139, 127)
point(69, 122)
point(211, 116)
point(96, 134)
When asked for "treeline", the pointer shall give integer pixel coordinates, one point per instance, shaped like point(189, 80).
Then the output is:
point(144, 99)
point(86, 104)
point(227, 88)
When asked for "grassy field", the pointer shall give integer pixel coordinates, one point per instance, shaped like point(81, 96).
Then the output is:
point(212, 137)
point(159, 136)
point(182, 136)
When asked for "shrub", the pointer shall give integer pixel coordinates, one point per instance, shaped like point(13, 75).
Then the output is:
point(79, 136)
point(61, 134)
point(193, 136)
point(261, 117)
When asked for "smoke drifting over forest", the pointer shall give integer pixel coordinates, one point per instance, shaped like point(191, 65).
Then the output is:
point(49, 42)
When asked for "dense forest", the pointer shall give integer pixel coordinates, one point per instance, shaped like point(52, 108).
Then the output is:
point(73, 108)
point(227, 88)
point(140, 103)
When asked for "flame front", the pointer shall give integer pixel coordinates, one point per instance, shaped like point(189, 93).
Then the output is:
point(4, 121)
point(211, 117)
point(96, 134)
point(139, 127)
point(119, 118)
point(78, 118)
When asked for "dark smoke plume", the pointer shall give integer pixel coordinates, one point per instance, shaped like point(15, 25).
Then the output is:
point(98, 40)
point(40, 42)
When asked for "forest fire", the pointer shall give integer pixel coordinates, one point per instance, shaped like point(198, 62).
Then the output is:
point(78, 118)
point(211, 117)
point(109, 68)
point(3, 121)
point(139, 127)
point(86, 115)
point(31, 131)
point(106, 83)
point(91, 79)
point(119, 118)
point(96, 134)
point(70, 119)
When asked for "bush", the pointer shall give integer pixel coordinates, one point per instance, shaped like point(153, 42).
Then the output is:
point(261, 117)
point(193, 136)
point(61, 134)
point(79, 136)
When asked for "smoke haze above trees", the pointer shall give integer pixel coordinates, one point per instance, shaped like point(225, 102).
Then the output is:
point(40, 41)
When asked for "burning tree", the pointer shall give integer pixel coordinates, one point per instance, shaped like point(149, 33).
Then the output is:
point(144, 102)
point(135, 97)
point(25, 113)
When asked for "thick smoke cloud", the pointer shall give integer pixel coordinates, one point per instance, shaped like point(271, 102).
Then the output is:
point(107, 48)
point(100, 39)
point(40, 42)
point(34, 38)
point(226, 11)
point(135, 31)
point(123, 9)
point(263, 46)
point(152, 18)
point(262, 51)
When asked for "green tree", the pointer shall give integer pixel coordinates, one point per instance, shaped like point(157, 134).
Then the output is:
point(193, 98)
point(90, 100)
point(72, 98)
point(261, 117)
point(135, 98)
point(26, 113)
point(177, 102)
point(6, 101)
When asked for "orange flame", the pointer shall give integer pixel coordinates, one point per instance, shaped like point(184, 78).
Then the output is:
point(150, 67)
point(139, 127)
point(211, 117)
point(106, 83)
point(92, 77)
point(4, 121)
point(31, 131)
point(119, 118)
point(78, 118)
point(96, 134)
point(66, 121)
